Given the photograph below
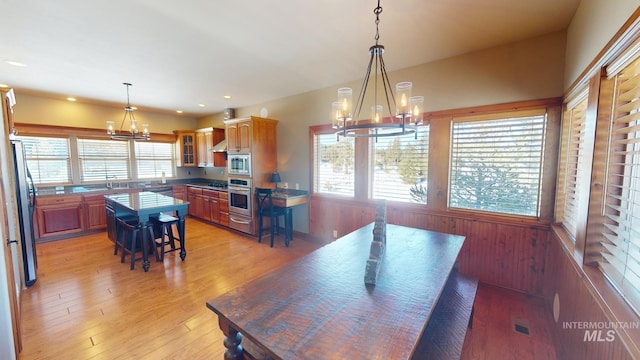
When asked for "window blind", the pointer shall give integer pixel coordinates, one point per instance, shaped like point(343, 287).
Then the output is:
point(102, 160)
point(496, 165)
point(153, 159)
point(48, 159)
point(400, 167)
point(333, 165)
point(620, 250)
point(571, 167)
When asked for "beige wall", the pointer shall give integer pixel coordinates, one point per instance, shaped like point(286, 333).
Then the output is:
point(531, 69)
point(34, 109)
point(593, 25)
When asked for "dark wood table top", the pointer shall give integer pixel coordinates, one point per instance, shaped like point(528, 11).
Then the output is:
point(319, 307)
point(146, 202)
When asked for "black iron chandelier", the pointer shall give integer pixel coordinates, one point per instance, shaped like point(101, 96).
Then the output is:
point(408, 109)
point(133, 133)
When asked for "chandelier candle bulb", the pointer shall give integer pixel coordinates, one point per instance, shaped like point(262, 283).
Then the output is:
point(417, 108)
point(376, 113)
point(344, 98)
point(337, 118)
point(403, 90)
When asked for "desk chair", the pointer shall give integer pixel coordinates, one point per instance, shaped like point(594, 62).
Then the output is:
point(266, 208)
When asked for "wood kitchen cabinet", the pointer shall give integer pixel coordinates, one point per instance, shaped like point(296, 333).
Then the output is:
point(180, 192)
point(186, 148)
point(223, 207)
point(60, 215)
point(209, 205)
point(239, 136)
point(205, 140)
point(211, 198)
point(219, 158)
point(94, 206)
point(204, 143)
point(196, 202)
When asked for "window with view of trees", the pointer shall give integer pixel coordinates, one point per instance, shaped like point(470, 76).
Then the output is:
point(400, 167)
point(101, 160)
point(154, 159)
point(333, 164)
point(496, 164)
point(48, 159)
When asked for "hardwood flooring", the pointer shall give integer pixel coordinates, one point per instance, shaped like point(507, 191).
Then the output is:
point(87, 305)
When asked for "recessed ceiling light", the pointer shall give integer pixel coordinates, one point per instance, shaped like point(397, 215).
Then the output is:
point(179, 111)
point(71, 98)
point(227, 96)
point(201, 105)
point(15, 63)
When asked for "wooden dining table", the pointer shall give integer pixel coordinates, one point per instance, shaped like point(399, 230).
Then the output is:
point(319, 306)
point(145, 204)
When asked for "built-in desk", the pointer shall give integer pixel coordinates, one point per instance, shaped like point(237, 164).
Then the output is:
point(288, 198)
point(319, 307)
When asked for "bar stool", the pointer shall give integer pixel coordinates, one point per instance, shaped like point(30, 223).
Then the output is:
point(119, 240)
point(131, 237)
point(163, 225)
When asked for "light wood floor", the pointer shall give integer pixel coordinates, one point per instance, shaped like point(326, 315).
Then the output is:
point(87, 305)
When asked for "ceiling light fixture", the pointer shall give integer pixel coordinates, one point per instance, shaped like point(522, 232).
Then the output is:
point(408, 111)
point(134, 132)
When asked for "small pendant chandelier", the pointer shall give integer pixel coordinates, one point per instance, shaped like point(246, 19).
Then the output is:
point(133, 133)
point(408, 110)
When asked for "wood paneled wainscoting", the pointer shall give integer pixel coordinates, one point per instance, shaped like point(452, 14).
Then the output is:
point(499, 250)
point(581, 292)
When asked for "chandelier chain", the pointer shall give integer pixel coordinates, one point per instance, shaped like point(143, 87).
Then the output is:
point(377, 11)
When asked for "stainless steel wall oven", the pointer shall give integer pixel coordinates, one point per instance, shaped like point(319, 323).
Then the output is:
point(240, 204)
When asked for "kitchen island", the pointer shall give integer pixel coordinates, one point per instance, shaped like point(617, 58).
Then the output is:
point(143, 205)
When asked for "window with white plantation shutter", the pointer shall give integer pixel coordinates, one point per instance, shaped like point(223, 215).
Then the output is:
point(154, 158)
point(572, 164)
point(496, 164)
point(333, 166)
point(620, 251)
point(48, 159)
point(103, 160)
point(400, 167)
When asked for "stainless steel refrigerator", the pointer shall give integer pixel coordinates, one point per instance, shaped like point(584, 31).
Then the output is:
point(26, 195)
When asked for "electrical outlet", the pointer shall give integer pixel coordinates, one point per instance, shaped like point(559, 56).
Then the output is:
point(335, 233)
point(297, 186)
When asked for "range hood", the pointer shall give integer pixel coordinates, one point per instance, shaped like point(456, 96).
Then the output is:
point(220, 147)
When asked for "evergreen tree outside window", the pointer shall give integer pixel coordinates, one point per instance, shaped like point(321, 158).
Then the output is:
point(496, 164)
point(400, 166)
point(333, 165)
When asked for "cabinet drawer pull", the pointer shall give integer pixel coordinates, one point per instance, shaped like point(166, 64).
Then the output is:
point(238, 221)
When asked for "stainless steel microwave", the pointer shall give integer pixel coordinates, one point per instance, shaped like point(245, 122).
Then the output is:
point(239, 164)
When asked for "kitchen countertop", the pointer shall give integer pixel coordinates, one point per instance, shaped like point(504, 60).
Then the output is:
point(143, 186)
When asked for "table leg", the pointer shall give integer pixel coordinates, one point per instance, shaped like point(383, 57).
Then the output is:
point(232, 339)
point(145, 246)
point(183, 251)
point(288, 226)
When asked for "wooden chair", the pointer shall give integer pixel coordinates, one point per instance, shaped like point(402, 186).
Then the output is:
point(266, 208)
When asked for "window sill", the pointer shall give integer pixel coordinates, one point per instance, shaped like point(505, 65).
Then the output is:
point(604, 295)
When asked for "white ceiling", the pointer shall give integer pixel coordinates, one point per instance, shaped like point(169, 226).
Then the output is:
point(179, 54)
